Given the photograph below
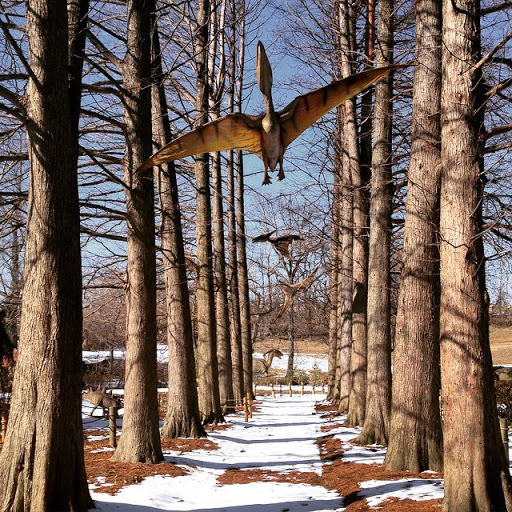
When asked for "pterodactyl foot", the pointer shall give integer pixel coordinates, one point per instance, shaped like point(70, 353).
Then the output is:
point(266, 179)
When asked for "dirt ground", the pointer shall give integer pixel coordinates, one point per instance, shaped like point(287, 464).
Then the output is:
point(338, 475)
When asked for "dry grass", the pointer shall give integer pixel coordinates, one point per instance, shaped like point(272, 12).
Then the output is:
point(501, 344)
point(315, 346)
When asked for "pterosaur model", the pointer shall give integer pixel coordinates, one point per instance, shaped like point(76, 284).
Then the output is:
point(269, 134)
point(290, 290)
point(280, 243)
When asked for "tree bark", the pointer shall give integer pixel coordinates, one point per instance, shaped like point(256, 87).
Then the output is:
point(354, 228)
point(236, 329)
point(221, 296)
point(475, 470)
point(379, 323)
point(243, 278)
point(41, 462)
point(333, 292)
point(243, 275)
point(415, 438)
point(140, 439)
point(182, 418)
point(209, 399)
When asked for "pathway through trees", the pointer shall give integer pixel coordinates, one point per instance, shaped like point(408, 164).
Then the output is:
point(292, 455)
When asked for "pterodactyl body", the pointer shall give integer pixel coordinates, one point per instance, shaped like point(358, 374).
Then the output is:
point(269, 134)
point(290, 290)
point(280, 243)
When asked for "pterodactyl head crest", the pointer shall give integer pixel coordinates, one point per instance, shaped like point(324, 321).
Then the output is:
point(263, 71)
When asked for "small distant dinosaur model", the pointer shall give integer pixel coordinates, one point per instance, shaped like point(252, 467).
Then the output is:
point(280, 243)
point(268, 357)
point(269, 134)
point(290, 290)
point(99, 398)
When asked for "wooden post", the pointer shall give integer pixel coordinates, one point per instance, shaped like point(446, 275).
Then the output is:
point(280, 389)
point(5, 418)
point(272, 390)
point(302, 388)
point(249, 404)
point(112, 413)
point(504, 436)
point(313, 390)
point(246, 410)
point(291, 392)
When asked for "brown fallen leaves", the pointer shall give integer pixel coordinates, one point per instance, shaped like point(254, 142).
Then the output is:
point(343, 477)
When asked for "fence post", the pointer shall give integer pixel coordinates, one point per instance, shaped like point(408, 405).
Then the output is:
point(249, 404)
point(246, 410)
point(112, 413)
point(504, 436)
point(302, 388)
point(272, 389)
point(290, 386)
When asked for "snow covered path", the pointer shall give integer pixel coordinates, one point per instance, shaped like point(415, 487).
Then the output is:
point(281, 437)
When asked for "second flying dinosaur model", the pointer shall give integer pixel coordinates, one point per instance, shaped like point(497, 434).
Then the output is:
point(269, 134)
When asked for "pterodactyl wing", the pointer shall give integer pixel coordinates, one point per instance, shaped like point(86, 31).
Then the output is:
point(304, 110)
point(290, 290)
point(234, 131)
point(288, 299)
point(264, 237)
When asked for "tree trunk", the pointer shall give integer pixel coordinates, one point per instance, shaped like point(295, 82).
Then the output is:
point(140, 439)
point(291, 343)
point(333, 292)
point(41, 462)
point(236, 330)
point(475, 470)
point(356, 229)
point(182, 418)
point(243, 278)
point(378, 390)
point(415, 438)
point(221, 297)
point(209, 399)
point(345, 293)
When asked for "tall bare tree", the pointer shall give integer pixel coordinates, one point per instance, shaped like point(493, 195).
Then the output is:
point(475, 470)
point(209, 398)
point(243, 275)
point(217, 76)
point(140, 439)
point(379, 311)
point(237, 361)
point(41, 463)
point(415, 437)
point(182, 419)
point(353, 218)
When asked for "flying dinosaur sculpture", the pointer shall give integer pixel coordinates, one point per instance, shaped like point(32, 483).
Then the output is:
point(290, 290)
point(269, 134)
point(268, 357)
point(280, 243)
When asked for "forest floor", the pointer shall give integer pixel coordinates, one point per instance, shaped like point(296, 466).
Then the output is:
point(294, 454)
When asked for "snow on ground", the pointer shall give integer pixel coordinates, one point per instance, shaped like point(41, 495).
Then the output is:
point(305, 362)
point(280, 437)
